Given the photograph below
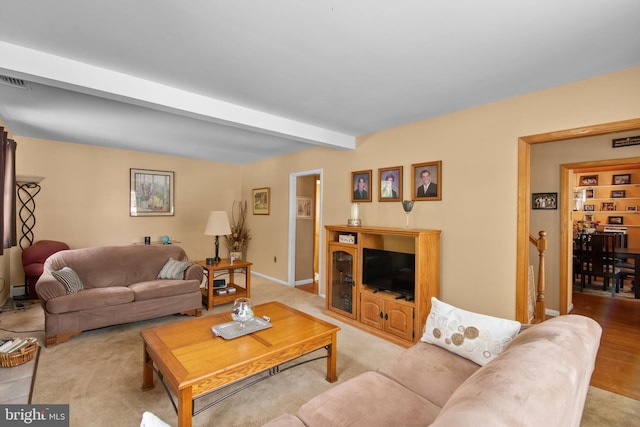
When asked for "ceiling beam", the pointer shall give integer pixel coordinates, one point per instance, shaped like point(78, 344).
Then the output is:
point(44, 68)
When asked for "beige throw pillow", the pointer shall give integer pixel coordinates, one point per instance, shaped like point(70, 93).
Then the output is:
point(477, 337)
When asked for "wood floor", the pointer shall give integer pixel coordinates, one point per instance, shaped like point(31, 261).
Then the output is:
point(618, 361)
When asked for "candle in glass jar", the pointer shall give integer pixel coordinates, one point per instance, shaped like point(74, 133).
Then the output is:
point(354, 211)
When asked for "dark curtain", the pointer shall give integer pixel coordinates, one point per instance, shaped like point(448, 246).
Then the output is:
point(8, 190)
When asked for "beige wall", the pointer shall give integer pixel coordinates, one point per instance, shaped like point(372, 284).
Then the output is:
point(477, 215)
point(84, 199)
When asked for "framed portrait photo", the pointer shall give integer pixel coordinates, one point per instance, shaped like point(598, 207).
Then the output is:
point(427, 181)
point(261, 201)
point(361, 186)
point(390, 184)
point(544, 201)
point(151, 193)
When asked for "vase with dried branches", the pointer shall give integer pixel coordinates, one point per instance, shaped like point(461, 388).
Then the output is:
point(238, 240)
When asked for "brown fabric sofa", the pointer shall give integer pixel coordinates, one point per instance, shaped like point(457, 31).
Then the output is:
point(120, 286)
point(540, 379)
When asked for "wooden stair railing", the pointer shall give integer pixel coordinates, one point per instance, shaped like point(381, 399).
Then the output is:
point(541, 244)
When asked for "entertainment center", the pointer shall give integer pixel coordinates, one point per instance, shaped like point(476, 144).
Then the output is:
point(381, 279)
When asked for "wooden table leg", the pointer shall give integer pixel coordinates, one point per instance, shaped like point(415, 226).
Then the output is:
point(185, 407)
point(210, 290)
point(248, 281)
point(147, 371)
point(331, 360)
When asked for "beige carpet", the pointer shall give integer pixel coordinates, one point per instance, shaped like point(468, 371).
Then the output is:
point(99, 373)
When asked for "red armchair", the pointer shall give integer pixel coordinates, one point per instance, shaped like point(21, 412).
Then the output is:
point(33, 258)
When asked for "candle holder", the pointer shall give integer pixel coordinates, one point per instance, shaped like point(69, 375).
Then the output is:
point(354, 221)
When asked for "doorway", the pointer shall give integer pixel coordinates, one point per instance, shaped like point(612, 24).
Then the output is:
point(524, 207)
point(305, 225)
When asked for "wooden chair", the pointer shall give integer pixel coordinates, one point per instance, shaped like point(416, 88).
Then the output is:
point(602, 262)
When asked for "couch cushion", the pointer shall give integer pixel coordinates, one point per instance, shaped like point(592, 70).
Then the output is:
point(477, 337)
point(89, 299)
point(69, 279)
point(541, 379)
point(173, 269)
point(432, 372)
point(163, 288)
point(370, 399)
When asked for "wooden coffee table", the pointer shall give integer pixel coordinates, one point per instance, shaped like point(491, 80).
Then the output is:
point(192, 361)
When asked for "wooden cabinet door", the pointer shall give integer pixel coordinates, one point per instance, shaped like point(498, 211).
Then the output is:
point(399, 320)
point(372, 311)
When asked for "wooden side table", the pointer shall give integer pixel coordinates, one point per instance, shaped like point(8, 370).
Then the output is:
point(208, 294)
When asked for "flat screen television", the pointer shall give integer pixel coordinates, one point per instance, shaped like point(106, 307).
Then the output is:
point(389, 271)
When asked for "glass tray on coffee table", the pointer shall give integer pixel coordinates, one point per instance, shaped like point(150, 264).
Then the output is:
point(231, 330)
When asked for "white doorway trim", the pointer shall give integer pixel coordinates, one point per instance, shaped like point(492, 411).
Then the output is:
point(292, 226)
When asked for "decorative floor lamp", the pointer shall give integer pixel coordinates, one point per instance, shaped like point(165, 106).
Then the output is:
point(217, 225)
point(28, 188)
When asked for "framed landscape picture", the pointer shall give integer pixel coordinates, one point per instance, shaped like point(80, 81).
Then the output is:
point(261, 201)
point(151, 193)
point(622, 179)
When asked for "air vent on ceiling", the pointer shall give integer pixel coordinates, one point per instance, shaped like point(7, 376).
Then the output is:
point(14, 82)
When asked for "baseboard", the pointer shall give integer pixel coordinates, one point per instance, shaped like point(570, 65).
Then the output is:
point(17, 291)
point(304, 282)
point(552, 313)
point(270, 278)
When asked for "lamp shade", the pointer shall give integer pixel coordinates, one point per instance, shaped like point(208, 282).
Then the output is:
point(218, 224)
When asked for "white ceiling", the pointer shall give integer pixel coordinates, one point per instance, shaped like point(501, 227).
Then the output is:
point(239, 81)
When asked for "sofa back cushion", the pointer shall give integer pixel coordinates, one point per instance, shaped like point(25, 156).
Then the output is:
point(107, 266)
point(540, 379)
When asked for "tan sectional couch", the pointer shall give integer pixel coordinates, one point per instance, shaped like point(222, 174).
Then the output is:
point(540, 379)
point(120, 285)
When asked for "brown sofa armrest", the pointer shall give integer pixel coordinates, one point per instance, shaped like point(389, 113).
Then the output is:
point(48, 287)
point(194, 272)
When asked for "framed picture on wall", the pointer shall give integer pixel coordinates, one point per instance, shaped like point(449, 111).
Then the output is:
point(427, 181)
point(390, 184)
point(261, 201)
point(588, 208)
point(618, 194)
point(544, 201)
point(360, 186)
point(608, 206)
point(615, 220)
point(304, 208)
point(151, 193)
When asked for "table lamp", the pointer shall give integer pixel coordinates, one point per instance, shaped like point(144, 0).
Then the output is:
point(217, 225)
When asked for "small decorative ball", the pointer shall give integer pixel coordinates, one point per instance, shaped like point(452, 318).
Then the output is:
point(166, 240)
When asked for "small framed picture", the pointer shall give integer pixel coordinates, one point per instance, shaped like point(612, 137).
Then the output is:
point(615, 220)
point(427, 181)
point(588, 217)
point(608, 206)
point(544, 200)
point(589, 208)
point(304, 208)
point(586, 180)
point(390, 184)
point(261, 201)
point(361, 186)
point(588, 193)
point(618, 194)
point(622, 179)
point(632, 209)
